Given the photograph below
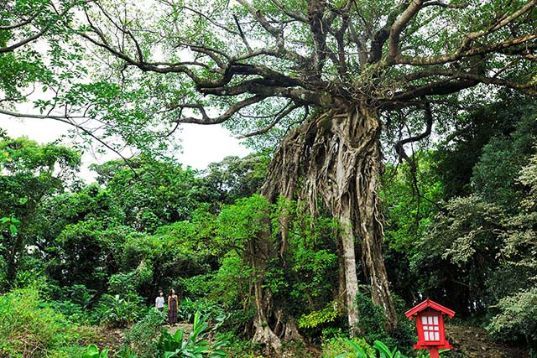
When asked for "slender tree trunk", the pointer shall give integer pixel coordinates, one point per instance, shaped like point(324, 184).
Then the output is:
point(337, 158)
point(347, 239)
point(259, 252)
point(13, 259)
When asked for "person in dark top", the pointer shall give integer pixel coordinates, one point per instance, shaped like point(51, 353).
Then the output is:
point(173, 307)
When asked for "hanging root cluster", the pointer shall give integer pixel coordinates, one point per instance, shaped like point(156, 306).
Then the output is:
point(335, 158)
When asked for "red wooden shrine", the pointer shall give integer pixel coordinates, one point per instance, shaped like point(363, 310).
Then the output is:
point(429, 317)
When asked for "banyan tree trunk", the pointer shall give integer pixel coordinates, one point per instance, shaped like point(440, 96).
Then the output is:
point(272, 322)
point(335, 158)
point(259, 252)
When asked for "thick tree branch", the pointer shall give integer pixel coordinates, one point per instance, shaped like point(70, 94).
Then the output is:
point(205, 119)
point(475, 51)
point(281, 115)
point(399, 25)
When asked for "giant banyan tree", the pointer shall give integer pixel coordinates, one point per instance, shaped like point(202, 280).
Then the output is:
point(322, 77)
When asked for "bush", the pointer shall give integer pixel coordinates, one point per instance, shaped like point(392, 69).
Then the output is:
point(358, 348)
point(71, 311)
point(118, 311)
point(28, 328)
point(93, 351)
point(195, 345)
point(239, 347)
point(142, 338)
point(517, 320)
point(317, 318)
point(211, 311)
point(341, 347)
point(372, 323)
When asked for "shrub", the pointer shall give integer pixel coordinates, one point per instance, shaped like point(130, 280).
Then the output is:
point(372, 323)
point(28, 328)
point(239, 347)
point(358, 348)
point(210, 310)
point(316, 318)
point(195, 345)
point(341, 347)
point(118, 311)
point(517, 320)
point(93, 351)
point(142, 338)
point(71, 311)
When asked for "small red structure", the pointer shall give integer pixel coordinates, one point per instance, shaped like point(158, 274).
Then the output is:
point(429, 317)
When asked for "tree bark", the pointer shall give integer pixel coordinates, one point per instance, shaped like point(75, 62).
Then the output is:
point(259, 251)
point(349, 265)
point(335, 157)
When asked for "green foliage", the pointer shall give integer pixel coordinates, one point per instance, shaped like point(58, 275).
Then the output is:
point(30, 329)
point(358, 348)
point(235, 177)
point(317, 318)
point(88, 250)
point(341, 347)
point(142, 338)
point(209, 310)
point(152, 193)
point(385, 352)
point(243, 221)
point(372, 323)
point(408, 212)
point(118, 310)
point(92, 351)
point(517, 318)
point(495, 178)
point(195, 345)
point(29, 173)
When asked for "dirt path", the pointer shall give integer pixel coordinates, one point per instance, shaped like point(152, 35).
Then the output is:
point(474, 342)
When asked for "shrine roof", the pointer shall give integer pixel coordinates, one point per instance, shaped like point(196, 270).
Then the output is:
point(429, 304)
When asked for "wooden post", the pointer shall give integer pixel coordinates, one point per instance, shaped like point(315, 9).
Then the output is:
point(433, 352)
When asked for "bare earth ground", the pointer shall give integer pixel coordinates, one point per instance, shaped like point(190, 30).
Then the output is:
point(473, 342)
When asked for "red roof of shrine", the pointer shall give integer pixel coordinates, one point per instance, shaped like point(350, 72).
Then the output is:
point(429, 304)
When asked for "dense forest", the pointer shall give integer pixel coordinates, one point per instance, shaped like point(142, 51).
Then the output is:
point(393, 159)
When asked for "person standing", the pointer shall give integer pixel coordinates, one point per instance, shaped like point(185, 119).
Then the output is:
point(173, 307)
point(159, 301)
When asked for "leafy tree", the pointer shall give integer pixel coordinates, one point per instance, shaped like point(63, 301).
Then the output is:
point(460, 151)
point(29, 174)
point(495, 175)
point(480, 248)
point(88, 253)
point(151, 193)
point(235, 177)
point(22, 24)
point(411, 197)
point(172, 254)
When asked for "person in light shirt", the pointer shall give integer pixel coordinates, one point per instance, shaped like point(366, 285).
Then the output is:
point(159, 301)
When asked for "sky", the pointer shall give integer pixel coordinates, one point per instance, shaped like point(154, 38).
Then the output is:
point(201, 145)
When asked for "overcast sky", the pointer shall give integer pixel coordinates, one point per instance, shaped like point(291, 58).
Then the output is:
point(201, 144)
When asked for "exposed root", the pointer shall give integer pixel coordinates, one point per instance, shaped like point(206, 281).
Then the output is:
point(335, 158)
